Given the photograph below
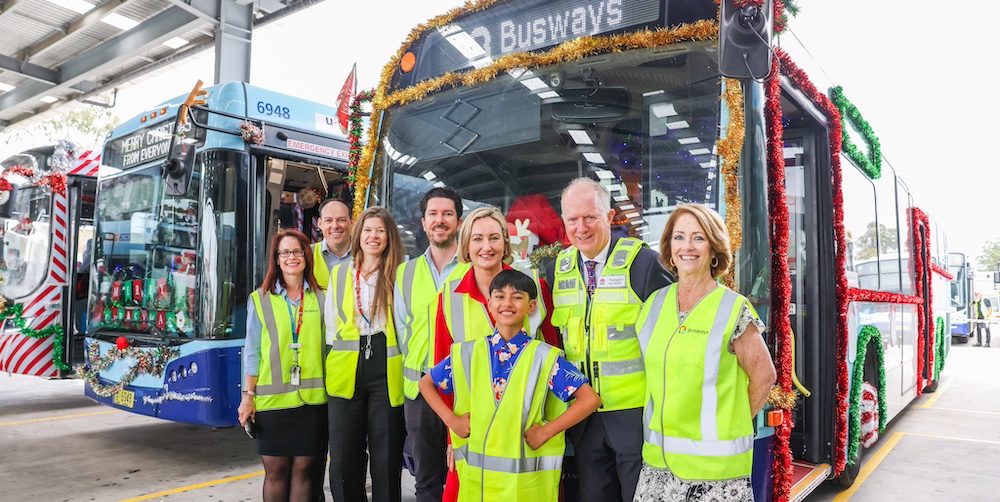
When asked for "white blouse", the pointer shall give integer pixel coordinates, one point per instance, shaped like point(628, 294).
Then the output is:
point(366, 289)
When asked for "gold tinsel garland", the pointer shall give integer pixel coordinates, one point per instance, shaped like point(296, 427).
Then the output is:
point(781, 399)
point(730, 149)
point(571, 50)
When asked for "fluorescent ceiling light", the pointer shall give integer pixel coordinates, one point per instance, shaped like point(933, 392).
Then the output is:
point(49, 99)
point(618, 187)
point(439, 184)
point(688, 141)
point(429, 175)
point(594, 158)
point(680, 124)
point(621, 198)
point(632, 215)
point(580, 137)
point(78, 6)
point(700, 151)
point(548, 94)
point(627, 207)
point(660, 110)
point(119, 21)
point(175, 43)
point(708, 165)
point(534, 84)
point(6, 87)
point(466, 45)
point(604, 174)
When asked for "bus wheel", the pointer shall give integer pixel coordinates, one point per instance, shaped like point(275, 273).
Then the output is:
point(869, 393)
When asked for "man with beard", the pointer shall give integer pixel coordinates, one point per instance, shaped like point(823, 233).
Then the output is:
point(335, 223)
point(417, 285)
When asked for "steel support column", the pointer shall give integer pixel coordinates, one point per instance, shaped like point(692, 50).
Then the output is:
point(233, 42)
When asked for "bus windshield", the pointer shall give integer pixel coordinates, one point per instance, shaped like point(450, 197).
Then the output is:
point(158, 256)
point(24, 223)
point(644, 122)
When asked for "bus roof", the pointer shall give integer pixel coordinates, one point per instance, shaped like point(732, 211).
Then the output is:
point(248, 101)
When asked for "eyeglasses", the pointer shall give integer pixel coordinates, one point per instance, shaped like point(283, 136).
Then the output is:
point(298, 253)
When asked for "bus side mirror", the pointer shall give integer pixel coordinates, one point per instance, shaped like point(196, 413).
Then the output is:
point(745, 40)
point(179, 166)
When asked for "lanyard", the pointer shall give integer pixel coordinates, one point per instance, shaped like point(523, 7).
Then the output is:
point(296, 322)
point(357, 294)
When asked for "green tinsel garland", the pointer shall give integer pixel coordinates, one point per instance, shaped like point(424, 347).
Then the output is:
point(15, 313)
point(869, 334)
point(870, 164)
point(939, 360)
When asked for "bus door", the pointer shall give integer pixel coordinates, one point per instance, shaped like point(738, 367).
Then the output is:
point(291, 191)
point(80, 197)
point(812, 272)
point(922, 276)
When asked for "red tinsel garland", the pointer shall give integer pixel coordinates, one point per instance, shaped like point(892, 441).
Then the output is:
point(867, 295)
point(920, 223)
point(801, 81)
point(780, 279)
point(942, 272)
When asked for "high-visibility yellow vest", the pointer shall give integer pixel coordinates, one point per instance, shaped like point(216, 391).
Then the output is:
point(495, 462)
point(320, 272)
point(415, 284)
point(609, 347)
point(274, 388)
point(468, 319)
point(342, 360)
point(697, 418)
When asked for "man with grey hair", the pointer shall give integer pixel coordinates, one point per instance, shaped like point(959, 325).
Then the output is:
point(599, 285)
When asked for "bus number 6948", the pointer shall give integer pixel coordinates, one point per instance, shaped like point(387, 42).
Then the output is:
point(277, 110)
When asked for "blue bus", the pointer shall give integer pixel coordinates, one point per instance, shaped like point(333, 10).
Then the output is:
point(507, 102)
point(182, 228)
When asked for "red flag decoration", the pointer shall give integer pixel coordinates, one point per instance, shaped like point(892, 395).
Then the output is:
point(344, 99)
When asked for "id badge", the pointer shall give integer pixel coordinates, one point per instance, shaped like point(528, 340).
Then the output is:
point(295, 375)
point(295, 346)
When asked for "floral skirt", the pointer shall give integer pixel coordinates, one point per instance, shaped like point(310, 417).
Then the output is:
point(661, 485)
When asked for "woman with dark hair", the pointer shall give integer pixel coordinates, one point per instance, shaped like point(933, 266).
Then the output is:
point(283, 397)
point(364, 367)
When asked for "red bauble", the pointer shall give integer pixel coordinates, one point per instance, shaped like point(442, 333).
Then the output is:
point(121, 343)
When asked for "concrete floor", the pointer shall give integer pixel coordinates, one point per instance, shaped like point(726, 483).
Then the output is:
point(948, 442)
point(57, 445)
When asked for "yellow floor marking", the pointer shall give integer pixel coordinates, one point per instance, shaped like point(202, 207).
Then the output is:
point(78, 415)
point(930, 402)
point(870, 466)
point(195, 487)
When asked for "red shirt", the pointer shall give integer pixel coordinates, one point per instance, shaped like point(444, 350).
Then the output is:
point(442, 336)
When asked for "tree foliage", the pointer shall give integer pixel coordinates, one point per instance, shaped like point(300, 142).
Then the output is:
point(86, 127)
point(989, 257)
point(870, 243)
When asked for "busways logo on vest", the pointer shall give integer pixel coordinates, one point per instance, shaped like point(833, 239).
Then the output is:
point(684, 329)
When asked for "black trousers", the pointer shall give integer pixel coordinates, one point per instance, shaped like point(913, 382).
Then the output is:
point(366, 421)
point(608, 450)
point(980, 326)
point(428, 437)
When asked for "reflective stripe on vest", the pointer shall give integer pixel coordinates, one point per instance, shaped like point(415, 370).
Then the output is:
point(272, 390)
point(496, 454)
point(602, 333)
point(709, 444)
point(342, 360)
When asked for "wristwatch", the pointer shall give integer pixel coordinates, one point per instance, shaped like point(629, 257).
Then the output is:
point(250, 393)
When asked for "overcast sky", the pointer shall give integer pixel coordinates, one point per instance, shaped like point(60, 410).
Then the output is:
point(917, 70)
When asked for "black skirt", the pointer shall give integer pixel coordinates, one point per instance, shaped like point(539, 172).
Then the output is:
point(295, 432)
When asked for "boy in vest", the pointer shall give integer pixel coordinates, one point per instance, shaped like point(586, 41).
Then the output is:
point(507, 427)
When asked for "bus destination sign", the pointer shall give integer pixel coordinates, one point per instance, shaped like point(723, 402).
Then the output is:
point(145, 145)
point(486, 35)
